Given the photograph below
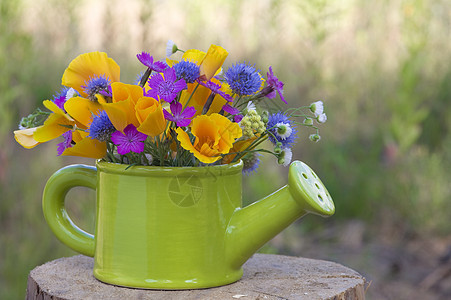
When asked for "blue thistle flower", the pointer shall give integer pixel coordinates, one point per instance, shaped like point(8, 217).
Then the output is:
point(282, 129)
point(251, 161)
point(243, 79)
point(101, 127)
point(187, 70)
point(95, 85)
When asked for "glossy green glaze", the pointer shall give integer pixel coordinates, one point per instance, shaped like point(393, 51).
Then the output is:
point(177, 228)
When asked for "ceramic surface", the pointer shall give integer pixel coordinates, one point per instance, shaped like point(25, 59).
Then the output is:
point(177, 228)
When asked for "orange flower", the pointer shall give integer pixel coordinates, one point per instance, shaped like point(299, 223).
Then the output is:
point(122, 111)
point(215, 135)
point(150, 115)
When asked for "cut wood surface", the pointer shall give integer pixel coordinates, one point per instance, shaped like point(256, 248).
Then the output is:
point(266, 276)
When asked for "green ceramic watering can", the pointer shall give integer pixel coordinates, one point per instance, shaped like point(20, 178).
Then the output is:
point(177, 228)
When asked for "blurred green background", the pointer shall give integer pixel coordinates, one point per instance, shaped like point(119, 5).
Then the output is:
point(382, 69)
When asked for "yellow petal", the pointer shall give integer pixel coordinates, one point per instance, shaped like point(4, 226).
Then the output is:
point(121, 114)
point(53, 127)
point(82, 110)
point(185, 142)
point(229, 132)
point(150, 114)
point(193, 55)
point(171, 62)
point(86, 147)
point(25, 137)
point(205, 131)
point(122, 91)
point(50, 105)
point(213, 61)
point(88, 65)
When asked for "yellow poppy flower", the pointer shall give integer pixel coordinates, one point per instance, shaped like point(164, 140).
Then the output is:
point(85, 146)
point(122, 111)
point(209, 63)
point(25, 137)
point(87, 66)
point(82, 110)
point(150, 116)
point(212, 61)
point(214, 134)
point(56, 124)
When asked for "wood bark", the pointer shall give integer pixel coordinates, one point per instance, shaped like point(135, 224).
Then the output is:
point(265, 276)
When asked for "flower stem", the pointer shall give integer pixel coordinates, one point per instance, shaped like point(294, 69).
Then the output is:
point(145, 77)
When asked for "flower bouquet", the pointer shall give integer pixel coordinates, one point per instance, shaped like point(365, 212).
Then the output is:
point(171, 150)
point(186, 112)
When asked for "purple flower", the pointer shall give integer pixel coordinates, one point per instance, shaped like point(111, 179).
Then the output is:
point(230, 109)
point(66, 144)
point(216, 88)
point(147, 60)
point(274, 85)
point(166, 86)
point(181, 118)
point(129, 141)
point(95, 85)
point(60, 98)
point(107, 93)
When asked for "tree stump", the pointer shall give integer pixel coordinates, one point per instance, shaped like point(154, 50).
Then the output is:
point(265, 277)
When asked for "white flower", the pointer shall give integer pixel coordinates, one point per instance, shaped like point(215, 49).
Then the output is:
point(322, 118)
point(285, 157)
point(251, 106)
point(284, 130)
point(170, 48)
point(71, 93)
point(317, 108)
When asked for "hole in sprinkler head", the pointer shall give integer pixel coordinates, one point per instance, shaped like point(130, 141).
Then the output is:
point(314, 175)
point(320, 198)
point(317, 186)
point(305, 175)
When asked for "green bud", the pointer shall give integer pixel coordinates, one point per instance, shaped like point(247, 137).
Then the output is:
point(254, 118)
point(34, 119)
point(315, 137)
point(308, 121)
point(265, 115)
point(281, 129)
point(277, 150)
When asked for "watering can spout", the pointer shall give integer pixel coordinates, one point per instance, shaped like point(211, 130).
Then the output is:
point(251, 227)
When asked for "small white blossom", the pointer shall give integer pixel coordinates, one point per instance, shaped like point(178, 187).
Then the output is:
point(285, 157)
point(71, 93)
point(283, 130)
point(170, 48)
point(317, 108)
point(322, 118)
point(251, 106)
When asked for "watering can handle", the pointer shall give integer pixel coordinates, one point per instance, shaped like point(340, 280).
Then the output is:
point(54, 209)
